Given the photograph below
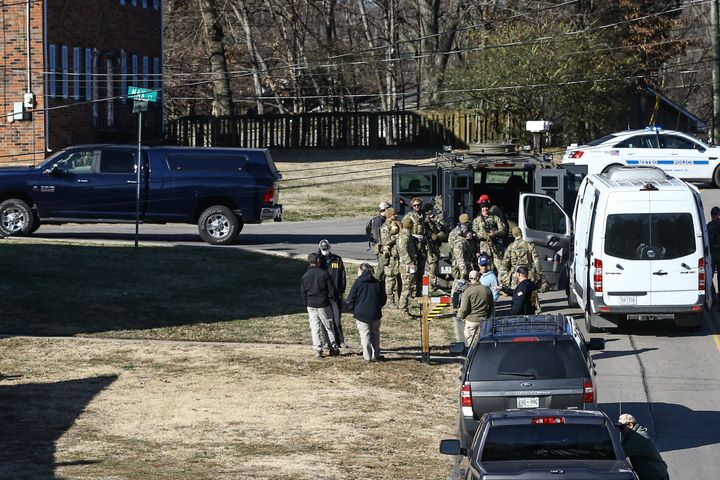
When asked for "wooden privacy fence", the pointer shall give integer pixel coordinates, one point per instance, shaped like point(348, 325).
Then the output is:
point(359, 129)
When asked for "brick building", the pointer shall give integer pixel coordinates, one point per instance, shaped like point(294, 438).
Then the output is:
point(66, 68)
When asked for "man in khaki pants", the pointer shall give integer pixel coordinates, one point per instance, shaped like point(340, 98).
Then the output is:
point(476, 306)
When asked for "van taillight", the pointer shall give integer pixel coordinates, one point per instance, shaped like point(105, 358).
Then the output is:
point(576, 154)
point(269, 194)
point(598, 276)
point(466, 401)
point(588, 392)
point(701, 274)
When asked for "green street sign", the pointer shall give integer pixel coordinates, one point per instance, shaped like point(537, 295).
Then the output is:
point(137, 93)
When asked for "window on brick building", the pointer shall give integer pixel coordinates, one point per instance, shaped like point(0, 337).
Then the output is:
point(144, 3)
point(134, 77)
point(156, 4)
point(88, 74)
point(77, 72)
point(123, 76)
point(52, 70)
point(64, 80)
point(134, 3)
point(156, 74)
point(146, 71)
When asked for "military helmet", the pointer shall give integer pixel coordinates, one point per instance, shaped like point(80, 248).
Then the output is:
point(464, 218)
point(407, 223)
point(394, 228)
point(516, 232)
point(389, 212)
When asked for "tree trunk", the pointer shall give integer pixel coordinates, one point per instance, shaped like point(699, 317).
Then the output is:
point(213, 34)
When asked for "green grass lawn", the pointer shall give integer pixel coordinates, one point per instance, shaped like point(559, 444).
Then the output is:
point(171, 293)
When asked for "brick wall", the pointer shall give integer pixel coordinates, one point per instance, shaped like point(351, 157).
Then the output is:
point(104, 29)
point(19, 139)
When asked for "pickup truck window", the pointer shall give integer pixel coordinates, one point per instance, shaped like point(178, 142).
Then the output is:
point(116, 161)
point(204, 163)
point(76, 163)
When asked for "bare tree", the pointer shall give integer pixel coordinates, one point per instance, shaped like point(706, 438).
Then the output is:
point(213, 34)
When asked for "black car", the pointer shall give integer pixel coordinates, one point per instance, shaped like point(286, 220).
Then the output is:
point(526, 361)
point(541, 444)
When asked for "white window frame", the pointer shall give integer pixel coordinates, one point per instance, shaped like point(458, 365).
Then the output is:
point(123, 76)
point(88, 74)
point(76, 73)
point(146, 71)
point(52, 72)
point(64, 67)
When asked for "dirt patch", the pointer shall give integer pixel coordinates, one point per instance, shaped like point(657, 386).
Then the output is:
point(123, 409)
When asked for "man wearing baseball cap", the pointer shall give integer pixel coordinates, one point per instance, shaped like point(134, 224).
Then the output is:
point(641, 450)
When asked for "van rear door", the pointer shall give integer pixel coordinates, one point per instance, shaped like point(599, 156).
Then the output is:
point(676, 236)
point(621, 253)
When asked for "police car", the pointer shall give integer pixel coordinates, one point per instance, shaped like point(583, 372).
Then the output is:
point(677, 153)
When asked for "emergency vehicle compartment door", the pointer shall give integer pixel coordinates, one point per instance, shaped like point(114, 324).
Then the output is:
point(457, 194)
point(410, 181)
point(544, 223)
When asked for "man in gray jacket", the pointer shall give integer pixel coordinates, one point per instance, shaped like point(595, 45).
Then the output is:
point(476, 306)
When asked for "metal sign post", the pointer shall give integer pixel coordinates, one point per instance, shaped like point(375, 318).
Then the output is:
point(140, 97)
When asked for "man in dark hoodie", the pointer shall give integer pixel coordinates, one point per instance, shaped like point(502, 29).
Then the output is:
point(318, 289)
point(366, 299)
point(641, 450)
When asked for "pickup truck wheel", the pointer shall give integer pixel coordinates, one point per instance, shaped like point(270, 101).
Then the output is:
point(218, 225)
point(16, 218)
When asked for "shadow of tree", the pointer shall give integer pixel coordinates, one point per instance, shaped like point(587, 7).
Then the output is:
point(34, 416)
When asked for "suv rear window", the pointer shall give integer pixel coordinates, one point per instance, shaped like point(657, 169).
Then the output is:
point(548, 442)
point(534, 360)
point(632, 236)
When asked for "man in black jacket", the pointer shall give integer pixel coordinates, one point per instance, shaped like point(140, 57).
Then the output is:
point(318, 289)
point(366, 299)
point(522, 294)
point(335, 267)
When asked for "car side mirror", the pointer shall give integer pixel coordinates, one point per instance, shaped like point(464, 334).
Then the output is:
point(452, 447)
point(458, 348)
point(595, 344)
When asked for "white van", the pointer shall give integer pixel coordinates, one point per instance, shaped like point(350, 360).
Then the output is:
point(639, 249)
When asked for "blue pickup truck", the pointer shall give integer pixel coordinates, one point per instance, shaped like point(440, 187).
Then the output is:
point(219, 189)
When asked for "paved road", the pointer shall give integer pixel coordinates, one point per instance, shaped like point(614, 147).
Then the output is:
point(668, 379)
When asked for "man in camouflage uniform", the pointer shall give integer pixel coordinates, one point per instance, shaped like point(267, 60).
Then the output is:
point(420, 233)
point(408, 257)
point(522, 253)
point(462, 258)
point(490, 229)
point(435, 231)
point(388, 239)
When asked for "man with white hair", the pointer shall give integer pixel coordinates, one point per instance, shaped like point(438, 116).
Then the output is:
point(476, 306)
point(641, 450)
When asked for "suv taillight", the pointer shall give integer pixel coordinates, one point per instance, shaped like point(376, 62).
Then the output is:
point(466, 400)
point(576, 154)
point(598, 276)
point(269, 196)
point(548, 420)
point(588, 392)
point(701, 274)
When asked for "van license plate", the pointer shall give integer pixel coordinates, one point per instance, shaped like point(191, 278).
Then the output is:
point(625, 300)
point(528, 402)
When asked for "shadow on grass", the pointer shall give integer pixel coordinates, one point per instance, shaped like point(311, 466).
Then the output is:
point(34, 416)
point(68, 289)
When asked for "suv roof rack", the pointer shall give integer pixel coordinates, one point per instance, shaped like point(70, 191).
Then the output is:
point(551, 324)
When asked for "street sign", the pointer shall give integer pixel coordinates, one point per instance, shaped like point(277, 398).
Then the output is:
point(140, 106)
point(137, 93)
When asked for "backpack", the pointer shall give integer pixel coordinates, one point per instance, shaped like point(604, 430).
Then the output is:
point(372, 229)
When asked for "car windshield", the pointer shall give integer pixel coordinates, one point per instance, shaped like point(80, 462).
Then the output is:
point(601, 140)
point(649, 236)
point(532, 360)
point(547, 442)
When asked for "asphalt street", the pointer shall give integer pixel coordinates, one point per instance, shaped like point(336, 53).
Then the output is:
point(668, 378)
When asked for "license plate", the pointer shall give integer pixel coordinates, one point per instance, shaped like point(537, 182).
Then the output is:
point(624, 300)
point(528, 402)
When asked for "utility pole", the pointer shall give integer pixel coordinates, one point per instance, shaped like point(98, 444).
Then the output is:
point(715, 70)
